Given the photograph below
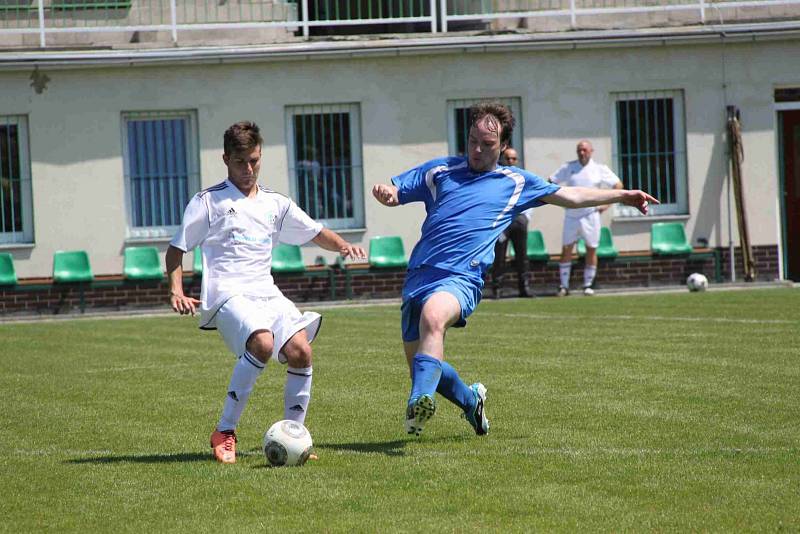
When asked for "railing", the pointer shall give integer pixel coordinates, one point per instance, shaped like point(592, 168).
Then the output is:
point(45, 17)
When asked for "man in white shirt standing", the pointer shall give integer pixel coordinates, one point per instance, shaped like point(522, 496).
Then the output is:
point(582, 222)
point(237, 223)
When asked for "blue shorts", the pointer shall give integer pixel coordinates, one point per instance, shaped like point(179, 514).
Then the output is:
point(422, 283)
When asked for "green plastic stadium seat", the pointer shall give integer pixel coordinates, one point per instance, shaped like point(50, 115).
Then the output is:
point(605, 249)
point(536, 249)
point(142, 263)
point(669, 239)
point(8, 275)
point(287, 259)
point(71, 266)
point(387, 252)
point(197, 266)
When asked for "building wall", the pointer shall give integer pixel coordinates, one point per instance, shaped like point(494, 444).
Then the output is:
point(75, 129)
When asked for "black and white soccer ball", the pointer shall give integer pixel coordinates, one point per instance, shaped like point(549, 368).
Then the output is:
point(287, 443)
point(697, 282)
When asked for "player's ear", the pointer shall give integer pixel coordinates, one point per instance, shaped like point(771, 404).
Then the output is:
point(225, 158)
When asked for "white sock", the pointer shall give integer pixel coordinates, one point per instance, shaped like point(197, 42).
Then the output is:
point(589, 271)
point(244, 376)
point(564, 270)
point(297, 393)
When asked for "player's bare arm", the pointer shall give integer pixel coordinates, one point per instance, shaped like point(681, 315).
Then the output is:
point(604, 207)
point(584, 197)
point(330, 240)
point(385, 194)
point(180, 303)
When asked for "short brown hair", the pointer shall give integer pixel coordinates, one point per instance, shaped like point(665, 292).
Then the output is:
point(499, 111)
point(242, 136)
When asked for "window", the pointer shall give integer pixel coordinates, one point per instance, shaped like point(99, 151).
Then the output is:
point(161, 170)
point(16, 206)
point(458, 124)
point(649, 148)
point(325, 174)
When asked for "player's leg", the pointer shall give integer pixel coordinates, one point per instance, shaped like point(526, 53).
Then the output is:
point(244, 328)
point(518, 235)
point(568, 239)
point(294, 332)
point(590, 228)
point(445, 308)
point(297, 391)
point(565, 269)
point(498, 267)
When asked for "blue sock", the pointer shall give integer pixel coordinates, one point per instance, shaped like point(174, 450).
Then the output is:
point(425, 373)
point(452, 388)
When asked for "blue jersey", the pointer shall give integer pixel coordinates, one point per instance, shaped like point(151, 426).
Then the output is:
point(466, 211)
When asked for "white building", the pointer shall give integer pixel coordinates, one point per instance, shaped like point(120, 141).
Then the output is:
point(105, 135)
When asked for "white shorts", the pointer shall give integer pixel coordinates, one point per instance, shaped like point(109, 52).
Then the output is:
point(587, 227)
point(240, 316)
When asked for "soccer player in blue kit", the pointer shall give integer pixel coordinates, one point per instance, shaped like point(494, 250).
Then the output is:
point(469, 201)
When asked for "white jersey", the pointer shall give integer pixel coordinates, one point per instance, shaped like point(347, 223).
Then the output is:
point(573, 174)
point(236, 234)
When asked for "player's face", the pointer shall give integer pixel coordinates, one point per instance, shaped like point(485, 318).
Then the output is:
point(584, 151)
point(483, 145)
point(509, 157)
point(243, 168)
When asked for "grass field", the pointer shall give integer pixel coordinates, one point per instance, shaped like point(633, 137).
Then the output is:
point(662, 412)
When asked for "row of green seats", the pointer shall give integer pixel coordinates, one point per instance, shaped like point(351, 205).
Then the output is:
point(666, 239)
point(143, 263)
point(384, 252)
point(72, 266)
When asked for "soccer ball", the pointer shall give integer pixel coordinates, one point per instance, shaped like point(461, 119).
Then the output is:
point(697, 282)
point(287, 443)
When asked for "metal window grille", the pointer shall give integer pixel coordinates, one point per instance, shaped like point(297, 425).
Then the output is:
point(324, 145)
point(161, 169)
point(650, 147)
point(16, 221)
point(458, 127)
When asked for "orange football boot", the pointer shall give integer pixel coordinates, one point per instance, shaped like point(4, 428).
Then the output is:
point(224, 446)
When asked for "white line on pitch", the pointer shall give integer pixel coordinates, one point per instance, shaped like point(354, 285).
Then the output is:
point(648, 318)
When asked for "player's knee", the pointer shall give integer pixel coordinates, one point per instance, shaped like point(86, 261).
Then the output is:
point(432, 323)
point(260, 345)
point(298, 354)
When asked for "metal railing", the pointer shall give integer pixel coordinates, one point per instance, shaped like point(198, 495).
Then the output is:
point(45, 17)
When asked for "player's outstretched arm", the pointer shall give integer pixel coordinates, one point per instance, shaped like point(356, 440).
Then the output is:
point(583, 197)
point(330, 240)
point(180, 303)
point(385, 194)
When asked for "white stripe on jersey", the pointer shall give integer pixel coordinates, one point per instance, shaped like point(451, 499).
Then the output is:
point(519, 181)
point(430, 175)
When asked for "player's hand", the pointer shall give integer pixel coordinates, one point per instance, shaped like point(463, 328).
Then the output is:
point(352, 251)
point(183, 304)
point(639, 200)
point(385, 194)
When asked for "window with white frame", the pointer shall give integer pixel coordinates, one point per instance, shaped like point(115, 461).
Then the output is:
point(325, 171)
point(649, 148)
point(161, 169)
point(458, 124)
point(16, 205)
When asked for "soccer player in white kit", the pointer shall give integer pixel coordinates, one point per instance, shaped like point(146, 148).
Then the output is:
point(582, 222)
point(237, 222)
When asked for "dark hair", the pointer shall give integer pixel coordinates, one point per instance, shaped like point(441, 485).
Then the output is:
point(498, 111)
point(242, 136)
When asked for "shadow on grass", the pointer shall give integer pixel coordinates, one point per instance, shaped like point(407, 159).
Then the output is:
point(389, 448)
point(181, 457)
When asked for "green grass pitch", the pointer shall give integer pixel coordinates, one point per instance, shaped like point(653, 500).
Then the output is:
point(658, 412)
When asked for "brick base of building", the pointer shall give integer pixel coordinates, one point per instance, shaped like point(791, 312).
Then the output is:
point(51, 299)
